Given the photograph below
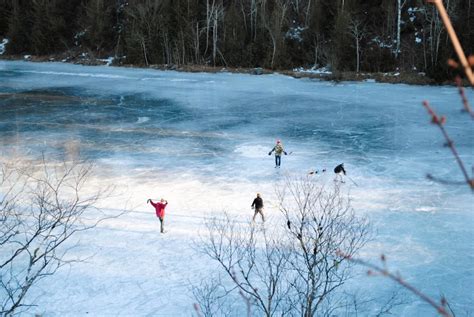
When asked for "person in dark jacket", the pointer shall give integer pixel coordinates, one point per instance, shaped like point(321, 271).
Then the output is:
point(339, 170)
point(258, 206)
point(278, 148)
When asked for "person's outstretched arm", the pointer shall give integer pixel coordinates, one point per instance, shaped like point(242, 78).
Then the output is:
point(151, 202)
point(270, 153)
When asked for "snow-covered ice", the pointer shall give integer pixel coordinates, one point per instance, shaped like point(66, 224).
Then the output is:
point(201, 141)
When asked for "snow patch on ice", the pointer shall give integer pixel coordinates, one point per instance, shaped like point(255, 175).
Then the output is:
point(426, 209)
point(75, 74)
point(183, 80)
point(252, 151)
point(143, 119)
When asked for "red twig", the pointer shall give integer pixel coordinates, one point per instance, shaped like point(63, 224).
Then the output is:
point(465, 103)
point(197, 309)
point(440, 121)
point(440, 307)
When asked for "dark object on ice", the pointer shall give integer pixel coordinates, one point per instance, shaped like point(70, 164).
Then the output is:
point(258, 71)
point(340, 168)
point(316, 171)
point(288, 223)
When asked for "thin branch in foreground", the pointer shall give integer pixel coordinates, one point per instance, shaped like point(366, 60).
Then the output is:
point(443, 181)
point(197, 309)
point(467, 107)
point(440, 121)
point(383, 271)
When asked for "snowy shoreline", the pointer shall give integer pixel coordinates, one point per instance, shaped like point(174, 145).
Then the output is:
point(394, 77)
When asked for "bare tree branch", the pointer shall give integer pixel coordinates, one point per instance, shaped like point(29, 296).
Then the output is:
point(383, 271)
point(42, 207)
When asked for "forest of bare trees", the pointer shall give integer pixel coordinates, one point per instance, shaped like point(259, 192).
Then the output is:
point(347, 35)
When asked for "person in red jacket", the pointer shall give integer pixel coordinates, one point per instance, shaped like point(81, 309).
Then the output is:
point(160, 210)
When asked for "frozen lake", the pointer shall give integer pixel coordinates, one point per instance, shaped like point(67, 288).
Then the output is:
point(202, 141)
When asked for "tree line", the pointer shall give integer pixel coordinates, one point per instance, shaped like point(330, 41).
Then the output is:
point(347, 35)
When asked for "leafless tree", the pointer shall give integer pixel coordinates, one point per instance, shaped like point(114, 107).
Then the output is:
point(400, 5)
point(147, 30)
point(293, 268)
point(41, 208)
point(358, 32)
point(214, 17)
point(273, 22)
point(320, 221)
point(254, 259)
point(212, 298)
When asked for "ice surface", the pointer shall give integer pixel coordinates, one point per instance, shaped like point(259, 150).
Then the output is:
point(202, 140)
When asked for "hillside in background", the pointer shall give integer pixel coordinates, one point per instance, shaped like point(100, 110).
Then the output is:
point(342, 36)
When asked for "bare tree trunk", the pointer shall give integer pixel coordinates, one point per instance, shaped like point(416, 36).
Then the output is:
point(357, 53)
point(274, 49)
point(425, 60)
point(308, 10)
point(316, 48)
point(400, 6)
point(357, 31)
point(208, 24)
point(253, 19)
point(244, 18)
point(273, 24)
point(142, 40)
point(196, 44)
point(214, 38)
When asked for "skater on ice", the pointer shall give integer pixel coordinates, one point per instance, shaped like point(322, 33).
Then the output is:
point(160, 211)
point(278, 149)
point(339, 170)
point(258, 206)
